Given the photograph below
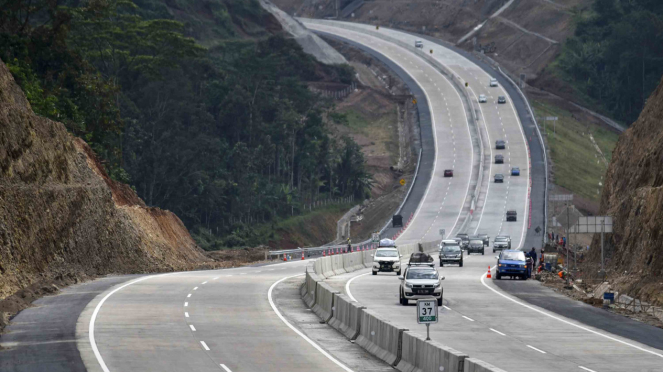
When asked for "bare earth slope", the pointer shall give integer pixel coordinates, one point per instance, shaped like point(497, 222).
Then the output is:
point(61, 216)
point(633, 195)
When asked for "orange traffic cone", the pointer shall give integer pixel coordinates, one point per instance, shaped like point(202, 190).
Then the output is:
point(285, 258)
point(323, 253)
point(488, 276)
point(302, 255)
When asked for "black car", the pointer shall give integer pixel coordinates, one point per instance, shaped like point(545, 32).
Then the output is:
point(476, 246)
point(448, 173)
point(451, 254)
point(485, 238)
point(511, 216)
point(501, 99)
point(465, 240)
point(499, 178)
point(500, 145)
point(499, 159)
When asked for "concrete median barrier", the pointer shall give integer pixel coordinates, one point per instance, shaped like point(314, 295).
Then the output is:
point(368, 258)
point(324, 301)
point(352, 262)
point(311, 283)
point(380, 337)
point(476, 365)
point(419, 355)
point(337, 264)
point(327, 270)
point(346, 316)
point(318, 267)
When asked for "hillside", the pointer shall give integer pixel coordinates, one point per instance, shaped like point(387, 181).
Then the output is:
point(633, 195)
point(62, 217)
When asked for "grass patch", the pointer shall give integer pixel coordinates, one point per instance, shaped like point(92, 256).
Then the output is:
point(577, 164)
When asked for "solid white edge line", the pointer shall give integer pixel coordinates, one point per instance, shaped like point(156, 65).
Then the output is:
point(347, 286)
point(225, 368)
point(204, 345)
point(566, 321)
point(283, 319)
point(533, 348)
point(496, 331)
point(586, 369)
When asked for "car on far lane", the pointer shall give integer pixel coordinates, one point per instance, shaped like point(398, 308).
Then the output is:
point(499, 159)
point(482, 98)
point(493, 82)
point(500, 145)
point(499, 178)
point(501, 243)
point(448, 173)
point(476, 246)
point(451, 254)
point(418, 44)
point(515, 171)
point(420, 282)
point(512, 263)
point(387, 259)
point(501, 99)
point(511, 216)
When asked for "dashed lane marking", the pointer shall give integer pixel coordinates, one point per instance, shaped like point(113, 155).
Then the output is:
point(193, 329)
point(204, 345)
point(186, 304)
point(225, 368)
point(470, 319)
point(186, 315)
point(498, 332)
point(533, 348)
point(586, 369)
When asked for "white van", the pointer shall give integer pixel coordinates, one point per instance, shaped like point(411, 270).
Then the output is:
point(418, 44)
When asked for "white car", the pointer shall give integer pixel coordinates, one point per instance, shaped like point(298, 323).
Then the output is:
point(387, 259)
point(493, 82)
point(418, 44)
point(420, 282)
point(482, 98)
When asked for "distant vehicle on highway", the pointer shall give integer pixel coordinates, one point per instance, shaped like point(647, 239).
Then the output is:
point(451, 254)
point(465, 240)
point(493, 82)
point(418, 44)
point(501, 242)
point(499, 159)
point(512, 263)
point(485, 238)
point(501, 99)
point(387, 260)
point(500, 145)
point(482, 98)
point(499, 178)
point(420, 282)
point(476, 246)
point(448, 173)
point(452, 241)
point(511, 216)
point(515, 171)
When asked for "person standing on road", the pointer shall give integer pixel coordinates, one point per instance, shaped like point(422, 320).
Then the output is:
point(532, 254)
point(349, 249)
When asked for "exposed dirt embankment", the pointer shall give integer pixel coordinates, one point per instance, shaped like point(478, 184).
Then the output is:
point(62, 218)
point(633, 195)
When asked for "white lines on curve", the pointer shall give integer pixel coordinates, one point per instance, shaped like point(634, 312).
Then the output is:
point(225, 368)
point(498, 332)
point(533, 348)
point(189, 295)
point(205, 282)
point(347, 287)
point(204, 345)
point(195, 288)
point(193, 329)
point(586, 369)
point(470, 319)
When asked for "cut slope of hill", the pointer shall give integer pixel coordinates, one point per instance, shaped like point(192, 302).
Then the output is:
point(61, 216)
point(633, 195)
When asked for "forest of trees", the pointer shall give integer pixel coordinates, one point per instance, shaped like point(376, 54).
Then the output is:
point(616, 55)
point(225, 137)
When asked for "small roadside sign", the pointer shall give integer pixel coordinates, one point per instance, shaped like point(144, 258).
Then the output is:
point(443, 232)
point(402, 181)
point(551, 118)
point(427, 311)
point(375, 238)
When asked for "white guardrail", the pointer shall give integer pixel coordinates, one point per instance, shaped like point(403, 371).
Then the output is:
point(395, 345)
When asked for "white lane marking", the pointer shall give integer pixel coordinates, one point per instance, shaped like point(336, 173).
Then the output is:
point(193, 329)
point(242, 273)
point(498, 332)
point(186, 304)
point(278, 313)
point(446, 307)
point(225, 368)
point(189, 295)
point(186, 315)
point(533, 348)
point(586, 369)
point(195, 288)
point(204, 282)
point(204, 345)
point(347, 287)
point(470, 319)
point(216, 278)
point(566, 321)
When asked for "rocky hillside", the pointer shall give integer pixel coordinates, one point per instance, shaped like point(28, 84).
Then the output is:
point(633, 195)
point(60, 214)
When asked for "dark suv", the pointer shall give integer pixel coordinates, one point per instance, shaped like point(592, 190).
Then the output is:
point(499, 159)
point(476, 246)
point(501, 99)
point(511, 216)
point(500, 145)
point(465, 240)
point(499, 178)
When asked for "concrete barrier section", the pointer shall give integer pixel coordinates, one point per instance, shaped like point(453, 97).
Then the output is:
point(347, 316)
point(368, 258)
point(379, 337)
point(419, 355)
point(476, 365)
point(327, 270)
point(337, 264)
point(324, 301)
point(318, 267)
point(311, 284)
point(352, 262)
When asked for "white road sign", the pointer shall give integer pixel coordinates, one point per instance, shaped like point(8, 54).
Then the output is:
point(443, 232)
point(427, 311)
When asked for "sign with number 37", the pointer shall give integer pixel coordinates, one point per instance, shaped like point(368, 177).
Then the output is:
point(427, 311)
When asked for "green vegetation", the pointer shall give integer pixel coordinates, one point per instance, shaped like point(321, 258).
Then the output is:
point(614, 61)
point(225, 136)
point(577, 165)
